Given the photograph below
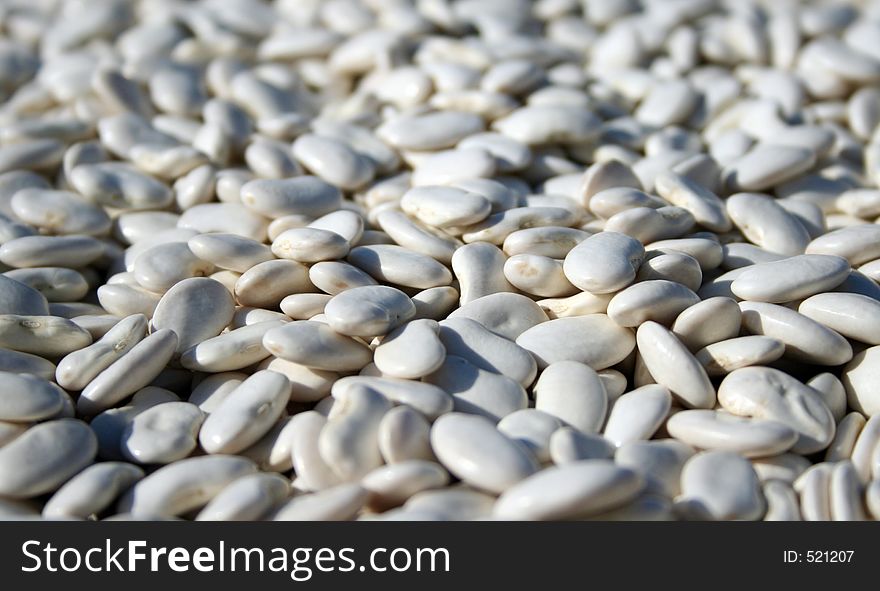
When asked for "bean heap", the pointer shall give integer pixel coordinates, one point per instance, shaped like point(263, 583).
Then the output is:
point(439, 259)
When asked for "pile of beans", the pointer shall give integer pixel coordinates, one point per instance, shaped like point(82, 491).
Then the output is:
point(439, 259)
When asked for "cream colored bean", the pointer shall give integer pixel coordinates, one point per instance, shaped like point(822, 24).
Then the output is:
point(435, 302)
point(560, 226)
point(673, 266)
point(708, 210)
point(184, 485)
point(550, 241)
point(813, 486)
point(767, 393)
point(767, 224)
point(505, 314)
point(229, 351)
point(212, 390)
point(785, 467)
point(229, 251)
point(431, 131)
point(533, 429)
point(109, 424)
point(472, 449)
point(660, 462)
point(404, 434)
point(450, 166)
point(392, 485)
point(569, 445)
point(538, 275)
point(615, 199)
point(247, 499)
point(400, 266)
point(77, 369)
point(865, 448)
point(264, 285)
point(269, 159)
point(637, 414)
point(580, 304)
point(309, 245)
point(846, 493)
point(426, 398)
point(481, 269)
point(860, 381)
point(790, 279)
point(230, 218)
point(305, 195)
point(594, 340)
point(650, 225)
point(96, 324)
point(857, 244)
point(509, 154)
point(604, 262)
point(368, 311)
point(766, 165)
point(848, 430)
point(196, 309)
point(126, 300)
point(302, 306)
point(673, 366)
point(55, 283)
point(349, 441)
point(782, 502)
point(164, 237)
point(129, 374)
point(44, 457)
point(121, 185)
point(852, 315)
point(42, 335)
point(21, 299)
point(570, 491)
point(272, 452)
point(25, 398)
point(346, 223)
point(461, 503)
point(411, 351)
point(545, 124)
point(708, 253)
point(872, 498)
point(606, 175)
point(724, 484)
point(246, 413)
point(469, 340)
point(445, 207)
point(657, 300)
point(804, 338)
point(317, 346)
point(574, 393)
point(163, 266)
point(92, 490)
point(59, 212)
point(308, 384)
point(726, 356)
point(339, 503)
point(714, 430)
point(478, 391)
point(51, 251)
point(313, 473)
point(23, 363)
point(498, 226)
point(333, 161)
point(418, 237)
point(162, 434)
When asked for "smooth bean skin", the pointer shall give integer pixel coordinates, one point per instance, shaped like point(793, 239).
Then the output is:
point(376, 260)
